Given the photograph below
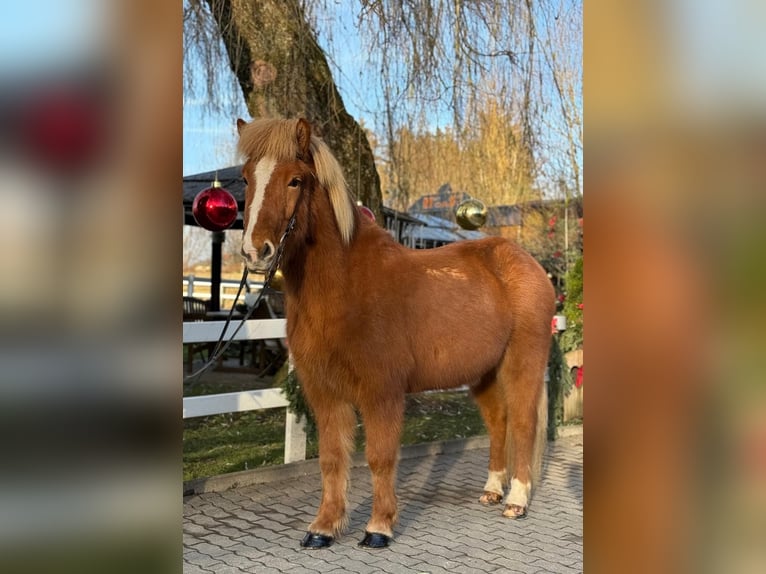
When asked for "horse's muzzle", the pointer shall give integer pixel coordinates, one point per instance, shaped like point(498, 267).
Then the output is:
point(257, 268)
point(259, 261)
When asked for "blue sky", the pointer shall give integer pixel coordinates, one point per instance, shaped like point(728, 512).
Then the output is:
point(37, 35)
point(209, 137)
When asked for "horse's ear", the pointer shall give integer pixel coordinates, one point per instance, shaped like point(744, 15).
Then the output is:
point(303, 135)
point(240, 124)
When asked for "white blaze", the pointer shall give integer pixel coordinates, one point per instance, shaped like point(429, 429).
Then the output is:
point(261, 177)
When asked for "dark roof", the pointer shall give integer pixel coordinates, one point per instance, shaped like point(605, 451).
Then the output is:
point(438, 229)
point(503, 215)
point(389, 213)
point(443, 201)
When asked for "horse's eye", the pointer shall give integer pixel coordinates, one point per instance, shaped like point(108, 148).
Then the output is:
point(294, 182)
point(245, 180)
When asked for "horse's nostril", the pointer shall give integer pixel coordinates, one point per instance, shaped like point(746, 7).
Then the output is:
point(267, 251)
point(244, 254)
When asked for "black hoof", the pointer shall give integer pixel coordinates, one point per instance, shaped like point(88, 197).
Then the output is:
point(312, 540)
point(375, 540)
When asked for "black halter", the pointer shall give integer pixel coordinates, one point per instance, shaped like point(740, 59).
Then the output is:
point(221, 346)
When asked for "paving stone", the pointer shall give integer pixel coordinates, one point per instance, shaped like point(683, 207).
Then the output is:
point(428, 568)
point(556, 567)
point(202, 561)
point(552, 554)
point(225, 569)
point(442, 527)
point(275, 564)
point(219, 540)
point(193, 529)
point(210, 549)
point(513, 564)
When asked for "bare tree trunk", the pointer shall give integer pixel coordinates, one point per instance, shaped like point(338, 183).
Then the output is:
point(284, 73)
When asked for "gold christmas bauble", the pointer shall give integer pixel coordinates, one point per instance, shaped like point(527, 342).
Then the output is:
point(471, 214)
point(277, 281)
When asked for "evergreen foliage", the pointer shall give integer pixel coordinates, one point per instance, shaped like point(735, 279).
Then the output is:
point(291, 386)
point(572, 338)
point(559, 384)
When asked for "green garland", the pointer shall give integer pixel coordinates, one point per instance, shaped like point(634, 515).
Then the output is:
point(572, 338)
point(560, 377)
point(559, 385)
point(291, 386)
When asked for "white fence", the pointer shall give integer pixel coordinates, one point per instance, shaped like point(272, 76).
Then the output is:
point(295, 435)
point(199, 287)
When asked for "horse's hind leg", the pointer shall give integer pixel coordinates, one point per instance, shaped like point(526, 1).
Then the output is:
point(336, 423)
point(382, 426)
point(490, 398)
point(522, 373)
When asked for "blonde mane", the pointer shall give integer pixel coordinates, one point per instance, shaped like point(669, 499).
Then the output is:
point(276, 138)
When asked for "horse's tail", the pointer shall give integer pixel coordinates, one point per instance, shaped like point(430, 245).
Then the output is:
point(541, 434)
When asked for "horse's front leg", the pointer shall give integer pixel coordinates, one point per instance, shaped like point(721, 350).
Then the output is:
point(383, 426)
point(336, 423)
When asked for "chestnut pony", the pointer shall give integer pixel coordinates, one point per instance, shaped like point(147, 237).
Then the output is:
point(369, 320)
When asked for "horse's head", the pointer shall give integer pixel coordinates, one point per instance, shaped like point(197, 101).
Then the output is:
point(272, 198)
point(285, 165)
point(274, 188)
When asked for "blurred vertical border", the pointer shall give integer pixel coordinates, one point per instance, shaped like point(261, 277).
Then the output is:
point(90, 229)
point(675, 166)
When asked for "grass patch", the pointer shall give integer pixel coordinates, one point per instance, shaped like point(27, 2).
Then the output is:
point(238, 441)
point(441, 416)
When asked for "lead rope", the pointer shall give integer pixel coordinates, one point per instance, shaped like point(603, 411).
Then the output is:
point(221, 347)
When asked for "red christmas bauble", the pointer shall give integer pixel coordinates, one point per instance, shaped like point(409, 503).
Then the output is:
point(215, 208)
point(64, 129)
point(367, 212)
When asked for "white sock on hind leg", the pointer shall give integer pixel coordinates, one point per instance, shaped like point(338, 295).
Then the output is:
point(519, 493)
